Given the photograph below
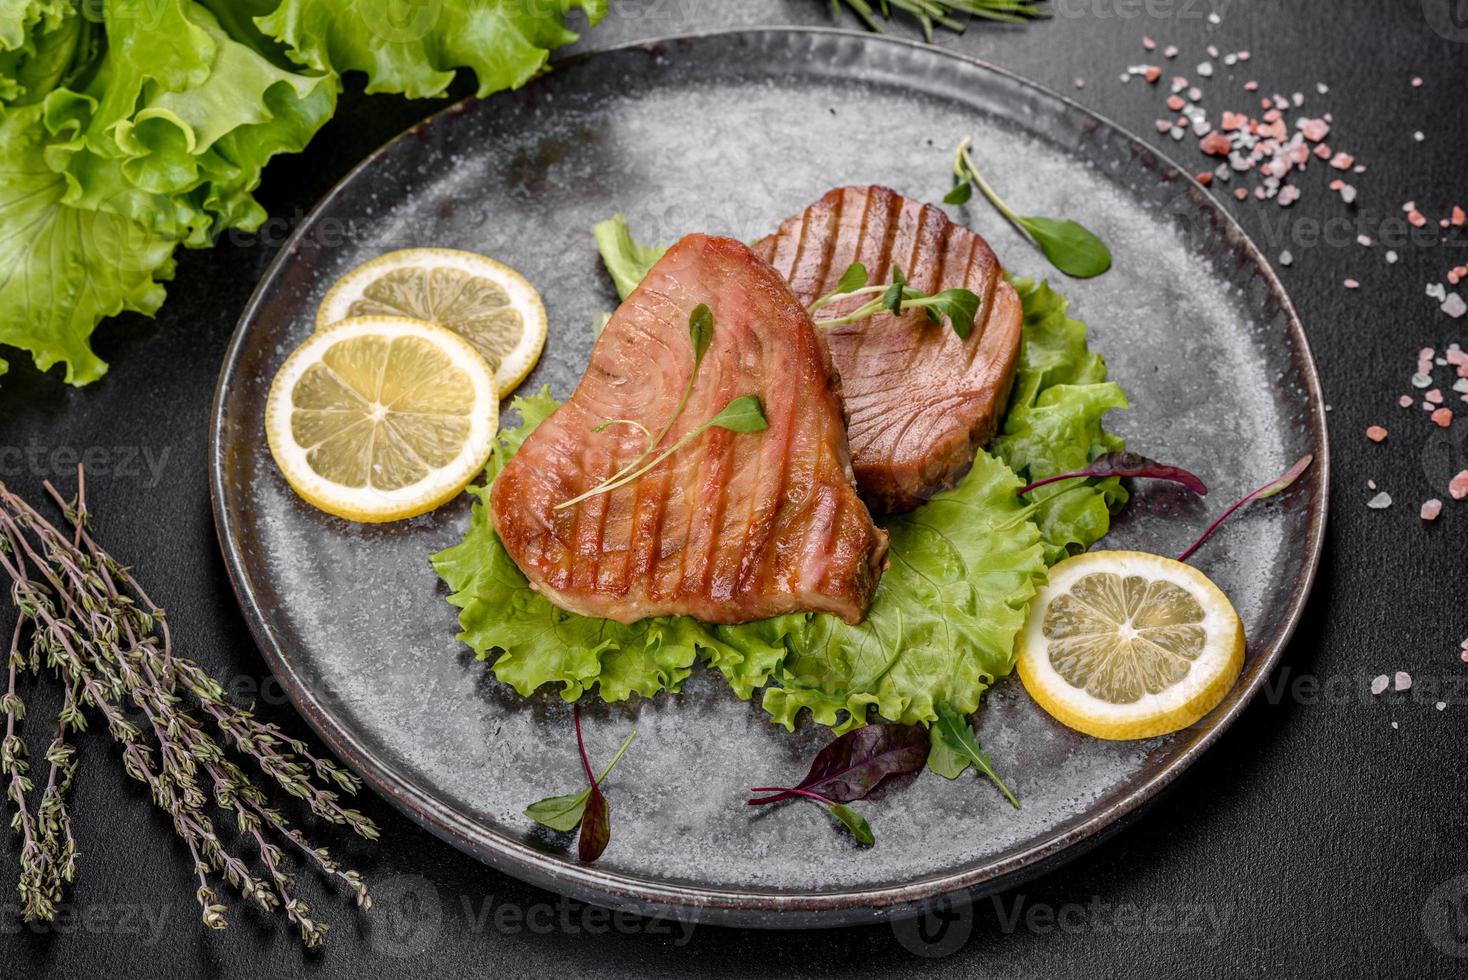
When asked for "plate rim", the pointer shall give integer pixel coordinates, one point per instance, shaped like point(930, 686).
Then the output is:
point(733, 906)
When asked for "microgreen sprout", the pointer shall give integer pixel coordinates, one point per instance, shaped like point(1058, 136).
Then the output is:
point(1069, 246)
point(958, 306)
point(742, 414)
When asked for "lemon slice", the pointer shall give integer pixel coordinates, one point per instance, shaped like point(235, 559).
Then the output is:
point(488, 304)
point(382, 418)
point(1123, 644)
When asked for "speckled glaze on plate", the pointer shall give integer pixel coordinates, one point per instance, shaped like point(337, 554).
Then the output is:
point(731, 133)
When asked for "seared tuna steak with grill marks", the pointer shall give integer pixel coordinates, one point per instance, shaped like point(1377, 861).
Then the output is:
point(733, 527)
point(919, 401)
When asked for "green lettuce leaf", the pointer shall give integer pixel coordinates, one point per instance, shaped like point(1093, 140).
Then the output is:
point(1054, 423)
point(414, 48)
point(178, 122)
point(942, 625)
point(62, 268)
point(626, 259)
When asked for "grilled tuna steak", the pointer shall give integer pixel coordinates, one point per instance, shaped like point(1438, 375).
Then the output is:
point(731, 528)
point(918, 400)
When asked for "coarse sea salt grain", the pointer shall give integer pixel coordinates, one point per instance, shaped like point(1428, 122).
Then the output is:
point(1378, 684)
point(1440, 705)
point(1381, 501)
point(1454, 306)
point(1285, 258)
point(1401, 681)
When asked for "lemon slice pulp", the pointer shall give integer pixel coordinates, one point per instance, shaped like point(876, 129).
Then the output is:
point(487, 303)
point(382, 418)
point(1123, 644)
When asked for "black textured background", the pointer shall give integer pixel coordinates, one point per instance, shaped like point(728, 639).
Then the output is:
point(1315, 839)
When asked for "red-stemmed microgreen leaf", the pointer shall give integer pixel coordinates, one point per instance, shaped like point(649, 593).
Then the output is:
point(589, 809)
point(596, 827)
point(853, 765)
point(1277, 485)
point(1127, 464)
point(849, 818)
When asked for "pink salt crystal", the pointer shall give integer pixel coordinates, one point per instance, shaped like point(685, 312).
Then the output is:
point(1416, 218)
point(1379, 684)
point(1152, 73)
point(1315, 130)
point(1288, 195)
point(1176, 103)
point(1148, 43)
point(1405, 401)
point(1458, 486)
point(1370, 484)
point(1416, 82)
point(1163, 125)
point(1410, 206)
point(1337, 184)
point(1251, 86)
point(1233, 120)
point(1435, 396)
point(1401, 681)
point(1430, 509)
point(1215, 144)
point(1322, 150)
point(1243, 56)
point(1375, 433)
point(1342, 161)
point(1241, 193)
point(1458, 216)
point(1443, 417)
point(1350, 284)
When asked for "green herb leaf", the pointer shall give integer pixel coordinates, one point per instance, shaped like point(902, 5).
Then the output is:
point(561, 813)
point(1070, 247)
point(896, 293)
point(701, 334)
point(960, 194)
point(855, 277)
point(955, 748)
point(743, 414)
point(854, 822)
point(960, 306)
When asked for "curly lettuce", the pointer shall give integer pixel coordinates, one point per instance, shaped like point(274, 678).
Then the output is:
point(941, 627)
point(1054, 423)
point(414, 48)
point(63, 268)
point(135, 126)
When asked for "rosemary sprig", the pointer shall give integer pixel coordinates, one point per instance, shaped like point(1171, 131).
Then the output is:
point(939, 13)
point(92, 625)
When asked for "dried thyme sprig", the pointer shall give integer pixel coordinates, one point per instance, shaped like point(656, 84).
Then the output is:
point(92, 624)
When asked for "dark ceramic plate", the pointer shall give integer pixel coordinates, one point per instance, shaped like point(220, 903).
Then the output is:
point(731, 133)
